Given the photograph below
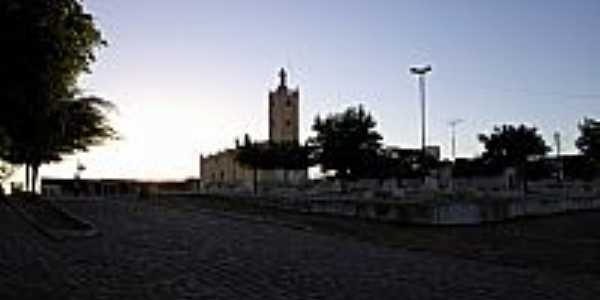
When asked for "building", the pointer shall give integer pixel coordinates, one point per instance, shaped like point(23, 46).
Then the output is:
point(105, 187)
point(222, 170)
point(413, 153)
point(60, 187)
point(283, 112)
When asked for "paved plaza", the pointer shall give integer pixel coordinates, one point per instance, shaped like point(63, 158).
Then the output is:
point(148, 251)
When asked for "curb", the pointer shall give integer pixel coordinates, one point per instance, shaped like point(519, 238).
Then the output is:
point(57, 235)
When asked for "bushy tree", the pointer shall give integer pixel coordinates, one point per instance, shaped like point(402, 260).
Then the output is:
point(249, 155)
point(47, 45)
point(589, 140)
point(284, 156)
point(512, 146)
point(346, 142)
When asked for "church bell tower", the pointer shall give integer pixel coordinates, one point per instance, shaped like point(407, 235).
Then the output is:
point(283, 112)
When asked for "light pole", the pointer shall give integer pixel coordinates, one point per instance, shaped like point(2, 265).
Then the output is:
point(420, 72)
point(453, 124)
point(560, 175)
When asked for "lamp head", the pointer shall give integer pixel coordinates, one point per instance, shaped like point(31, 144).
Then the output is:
point(421, 70)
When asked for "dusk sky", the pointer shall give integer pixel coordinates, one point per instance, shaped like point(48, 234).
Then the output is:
point(189, 76)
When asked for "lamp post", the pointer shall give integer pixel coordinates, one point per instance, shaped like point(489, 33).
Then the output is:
point(561, 167)
point(420, 72)
point(453, 124)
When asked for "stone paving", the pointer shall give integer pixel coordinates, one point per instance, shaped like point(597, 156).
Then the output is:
point(153, 252)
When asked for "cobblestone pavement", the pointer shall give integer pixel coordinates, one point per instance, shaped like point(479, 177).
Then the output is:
point(152, 252)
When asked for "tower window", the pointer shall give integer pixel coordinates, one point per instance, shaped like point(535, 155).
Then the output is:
point(288, 123)
point(288, 103)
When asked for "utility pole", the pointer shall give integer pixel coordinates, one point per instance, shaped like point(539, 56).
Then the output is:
point(453, 124)
point(558, 157)
point(420, 72)
point(557, 143)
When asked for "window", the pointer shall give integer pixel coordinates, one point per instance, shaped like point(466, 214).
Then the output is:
point(288, 123)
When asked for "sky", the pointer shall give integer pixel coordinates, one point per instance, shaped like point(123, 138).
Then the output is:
point(189, 76)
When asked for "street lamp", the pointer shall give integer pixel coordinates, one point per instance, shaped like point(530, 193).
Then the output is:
point(453, 124)
point(420, 72)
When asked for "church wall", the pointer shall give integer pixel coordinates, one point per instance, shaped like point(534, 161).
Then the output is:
point(221, 170)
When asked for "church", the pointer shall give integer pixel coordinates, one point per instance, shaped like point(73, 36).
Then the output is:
point(223, 171)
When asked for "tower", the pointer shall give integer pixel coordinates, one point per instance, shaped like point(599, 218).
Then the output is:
point(283, 112)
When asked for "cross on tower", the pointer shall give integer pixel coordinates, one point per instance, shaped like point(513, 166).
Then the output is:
point(283, 77)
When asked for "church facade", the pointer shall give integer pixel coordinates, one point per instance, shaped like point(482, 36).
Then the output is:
point(222, 170)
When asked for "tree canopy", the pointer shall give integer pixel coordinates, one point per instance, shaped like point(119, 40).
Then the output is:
point(47, 45)
point(273, 156)
point(514, 146)
point(589, 140)
point(346, 142)
point(510, 145)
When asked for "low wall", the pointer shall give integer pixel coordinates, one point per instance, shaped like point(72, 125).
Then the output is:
point(454, 213)
point(447, 212)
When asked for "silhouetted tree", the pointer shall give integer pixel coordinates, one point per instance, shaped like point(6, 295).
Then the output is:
point(287, 156)
point(588, 143)
point(249, 155)
point(346, 142)
point(512, 146)
point(272, 156)
point(589, 140)
point(74, 125)
point(47, 45)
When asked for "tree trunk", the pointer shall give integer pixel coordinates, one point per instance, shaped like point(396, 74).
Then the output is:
point(255, 180)
point(525, 184)
point(522, 171)
point(34, 177)
point(27, 177)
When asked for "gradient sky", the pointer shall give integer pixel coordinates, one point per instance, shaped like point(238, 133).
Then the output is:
point(189, 76)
